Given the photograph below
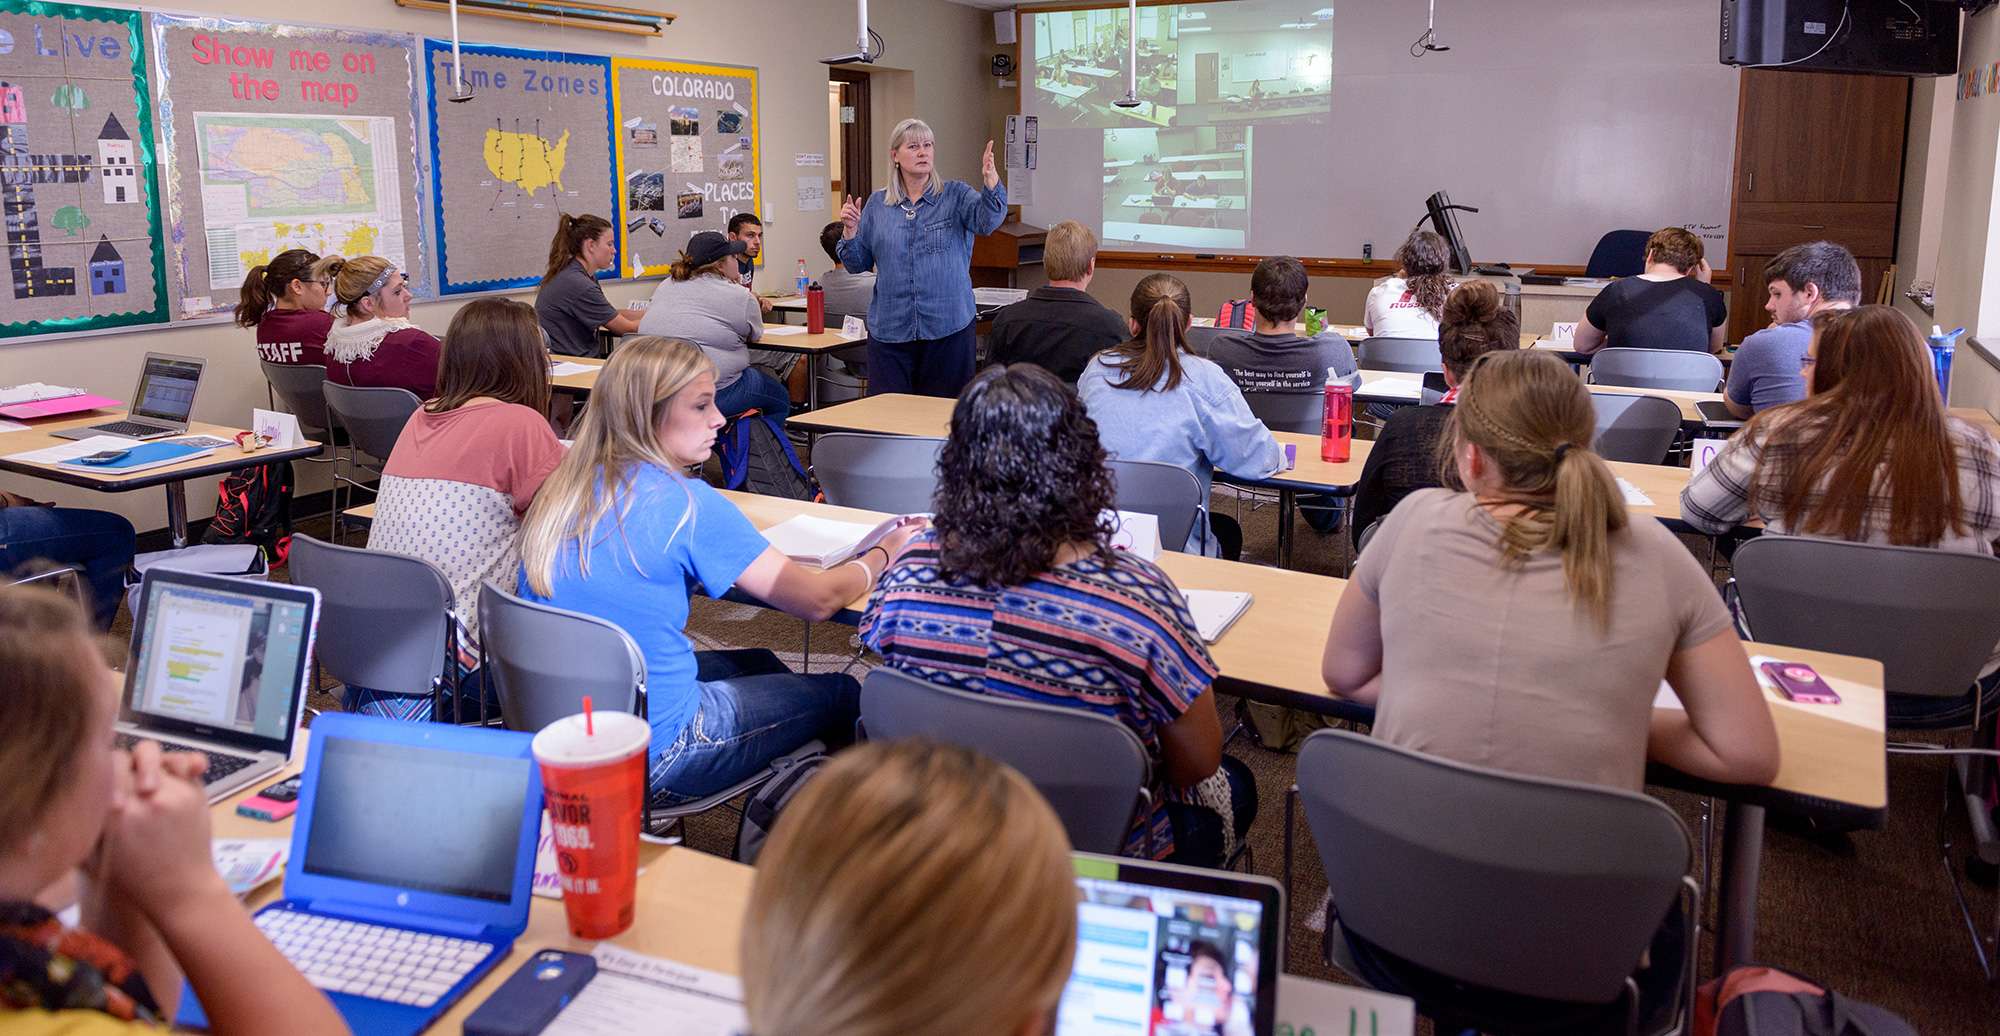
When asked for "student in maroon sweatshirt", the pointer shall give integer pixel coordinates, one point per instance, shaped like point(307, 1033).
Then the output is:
point(286, 302)
point(376, 346)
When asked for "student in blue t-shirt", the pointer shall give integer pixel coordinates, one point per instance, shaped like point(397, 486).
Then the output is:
point(617, 531)
point(1801, 280)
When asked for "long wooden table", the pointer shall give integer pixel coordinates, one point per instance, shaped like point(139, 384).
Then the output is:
point(690, 905)
point(41, 435)
point(814, 347)
point(1372, 391)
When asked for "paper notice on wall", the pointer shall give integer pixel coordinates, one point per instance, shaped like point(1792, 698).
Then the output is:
point(1020, 186)
point(809, 160)
point(812, 194)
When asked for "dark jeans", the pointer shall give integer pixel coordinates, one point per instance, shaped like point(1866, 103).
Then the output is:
point(752, 710)
point(1915, 712)
point(99, 542)
point(755, 389)
point(927, 366)
point(1198, 837)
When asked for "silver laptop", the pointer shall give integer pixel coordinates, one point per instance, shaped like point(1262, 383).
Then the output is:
point(219, 665)
point(161, 402)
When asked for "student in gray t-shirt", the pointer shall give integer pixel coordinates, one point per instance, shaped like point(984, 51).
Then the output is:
point(847, 294)
point(1271, 357)
point(570, 306)
point(702, 302)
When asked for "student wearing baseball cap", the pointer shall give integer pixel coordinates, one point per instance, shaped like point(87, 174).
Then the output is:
point(702, 302)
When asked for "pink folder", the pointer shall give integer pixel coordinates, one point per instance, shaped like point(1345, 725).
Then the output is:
point(57, 407)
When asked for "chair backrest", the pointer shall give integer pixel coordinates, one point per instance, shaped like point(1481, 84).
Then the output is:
point(1619, 253)
point(542, 661)
point(1168, 492)
point(1438, 862)
point(1634, 428)
point(1682, 370)
point(372, 417)
point(1089, 767)
point(1301, 412)
point(298, 384)
point(1931, 617)
point(1409, 355)
point(382, 616)
point(1201, 340)
point(893, 473)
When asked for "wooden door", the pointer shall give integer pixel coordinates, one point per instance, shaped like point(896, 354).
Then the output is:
point(856, 150)
point(1204, 78)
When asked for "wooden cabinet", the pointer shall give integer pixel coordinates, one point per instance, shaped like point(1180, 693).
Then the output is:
point(996, 257)
point(1819, 156)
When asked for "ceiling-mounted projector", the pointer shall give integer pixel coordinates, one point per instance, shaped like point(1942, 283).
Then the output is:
point(863, 53)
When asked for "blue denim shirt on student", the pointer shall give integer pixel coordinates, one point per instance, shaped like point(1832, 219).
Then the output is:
point(922, 258)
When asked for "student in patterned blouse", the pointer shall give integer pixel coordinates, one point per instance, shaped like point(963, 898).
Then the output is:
point(1015, 591)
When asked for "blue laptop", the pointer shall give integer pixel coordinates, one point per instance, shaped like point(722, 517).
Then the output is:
point(413, 853)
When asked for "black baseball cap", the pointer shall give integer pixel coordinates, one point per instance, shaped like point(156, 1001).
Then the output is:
point(710, 246)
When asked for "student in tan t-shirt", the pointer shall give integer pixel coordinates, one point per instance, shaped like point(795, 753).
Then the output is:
point(1526, 624)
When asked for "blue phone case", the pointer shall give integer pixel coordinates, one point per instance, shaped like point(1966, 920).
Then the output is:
point(533, 995)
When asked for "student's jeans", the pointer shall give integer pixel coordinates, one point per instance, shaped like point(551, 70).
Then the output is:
point(751, 710)
point(98, 542)
point(927, 366)
point(755, 389)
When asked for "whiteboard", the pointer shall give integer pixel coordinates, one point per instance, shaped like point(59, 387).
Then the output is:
point(1558, 120)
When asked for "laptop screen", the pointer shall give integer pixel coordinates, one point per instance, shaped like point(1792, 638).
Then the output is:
point(166, 389)
point(222, 659)
point(418, 817)
point(1169, 960)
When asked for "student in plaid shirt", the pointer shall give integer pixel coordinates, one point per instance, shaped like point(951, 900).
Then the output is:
point(1870, 455)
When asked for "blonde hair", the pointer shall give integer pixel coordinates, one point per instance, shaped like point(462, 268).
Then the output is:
point(1533, 420)
point(351, 278)
point(904, 130)
point(618, 433)
point(911, 887)
point(52, 690)
point(1068, 252)
point(683, 269)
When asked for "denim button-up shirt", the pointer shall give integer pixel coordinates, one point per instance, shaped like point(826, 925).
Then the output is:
point(922, 262)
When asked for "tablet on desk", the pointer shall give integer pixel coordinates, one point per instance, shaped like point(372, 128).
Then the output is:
point(1715, 413)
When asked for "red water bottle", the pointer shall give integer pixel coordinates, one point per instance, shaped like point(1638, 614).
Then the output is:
point(1336, 435)
point(815, 309)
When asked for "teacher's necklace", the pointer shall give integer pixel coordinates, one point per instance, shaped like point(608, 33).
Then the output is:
point(909, 202)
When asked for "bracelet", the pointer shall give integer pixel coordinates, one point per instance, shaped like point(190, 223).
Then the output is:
point(886, 559)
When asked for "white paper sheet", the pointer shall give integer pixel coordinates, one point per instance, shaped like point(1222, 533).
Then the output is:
point(72, 450)
point(1846, 712)
point(1378, 384)
point(1633, 498)
point(1215, 611)
point(637, 993)
point(564, 369)
point(781, 330)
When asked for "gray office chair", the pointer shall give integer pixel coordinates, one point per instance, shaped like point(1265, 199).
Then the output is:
point(1438, 863)
point(1409, 355)
point(1681, 370)
point(893, 473)
point(1300, 412)
point(1201, 340)
point(1640, 429)
point(1170, 493)
point(384, 619)
point(1093, 770)
point(542, 661)
point(370, 420)
point(297, 385)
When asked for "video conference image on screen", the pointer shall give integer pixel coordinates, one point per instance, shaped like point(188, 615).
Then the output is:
point(1178, 186)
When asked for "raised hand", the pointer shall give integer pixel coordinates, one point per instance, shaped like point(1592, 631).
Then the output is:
point(850, 218)
point(986, 168)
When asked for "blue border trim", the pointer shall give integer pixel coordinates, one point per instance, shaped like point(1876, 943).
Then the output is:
point(447, 286)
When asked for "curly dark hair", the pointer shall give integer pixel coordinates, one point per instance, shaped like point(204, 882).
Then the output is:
point(1021, 475)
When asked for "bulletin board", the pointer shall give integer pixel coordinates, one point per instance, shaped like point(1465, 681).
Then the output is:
point(687, 147)
point(531, 141)
point(276, 137)
point(82, 215)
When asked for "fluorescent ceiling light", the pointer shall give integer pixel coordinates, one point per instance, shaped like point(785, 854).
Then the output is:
point(1194, 28)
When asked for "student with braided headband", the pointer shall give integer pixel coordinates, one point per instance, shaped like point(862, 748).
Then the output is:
point(1563, 613)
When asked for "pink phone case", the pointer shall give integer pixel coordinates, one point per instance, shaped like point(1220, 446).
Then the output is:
point(1801, 683)
point(257, 807)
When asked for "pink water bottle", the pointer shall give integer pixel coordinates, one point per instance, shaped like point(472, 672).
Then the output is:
point(1336, 435)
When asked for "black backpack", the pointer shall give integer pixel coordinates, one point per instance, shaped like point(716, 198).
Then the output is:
point(789, 775)
point(254, 505)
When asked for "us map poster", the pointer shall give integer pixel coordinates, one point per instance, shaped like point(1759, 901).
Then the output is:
point(526, 141)
point(687, 154)
point(276, 137)
point(81, 215)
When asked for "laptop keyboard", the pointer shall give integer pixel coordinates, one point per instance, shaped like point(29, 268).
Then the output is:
point(128, 428)
point(220, 765)
point(375, 961)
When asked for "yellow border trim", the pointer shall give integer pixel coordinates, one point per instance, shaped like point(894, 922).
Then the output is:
point(619, 65)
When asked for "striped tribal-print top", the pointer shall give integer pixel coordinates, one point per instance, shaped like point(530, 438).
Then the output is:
point(1115, 638)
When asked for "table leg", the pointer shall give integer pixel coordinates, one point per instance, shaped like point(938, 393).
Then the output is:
point(813, 371)
point(1285, 500)
point(177, 513)
point(1736, 914)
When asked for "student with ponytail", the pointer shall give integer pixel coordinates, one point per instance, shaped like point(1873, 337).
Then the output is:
point(285, 300)
point(377, 346)
point(1410, 303)
point(1526, 622)
point(570, 305)
point(1154, 399)
point(702, 302)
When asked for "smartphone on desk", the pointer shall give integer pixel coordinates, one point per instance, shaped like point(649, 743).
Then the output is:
point(104, 457)
point(274, 803)
point(1801, 683)
point(533, 995)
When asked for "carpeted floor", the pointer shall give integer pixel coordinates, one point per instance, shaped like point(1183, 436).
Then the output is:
point(1870, 914)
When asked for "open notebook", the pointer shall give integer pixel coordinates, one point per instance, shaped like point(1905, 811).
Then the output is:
point(824, 542)
point(1215, 611)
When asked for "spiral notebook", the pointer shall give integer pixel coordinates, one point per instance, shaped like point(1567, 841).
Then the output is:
point(1215, 611)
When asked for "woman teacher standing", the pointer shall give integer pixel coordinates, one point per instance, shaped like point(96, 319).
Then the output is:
point(916, 235)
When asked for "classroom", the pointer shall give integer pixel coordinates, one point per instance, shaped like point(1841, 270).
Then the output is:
point(1178, 517)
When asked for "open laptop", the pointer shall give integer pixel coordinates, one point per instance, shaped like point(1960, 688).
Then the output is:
point(161, 402)
point(219, 666)
point(1172, 951)
point(413, 856)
